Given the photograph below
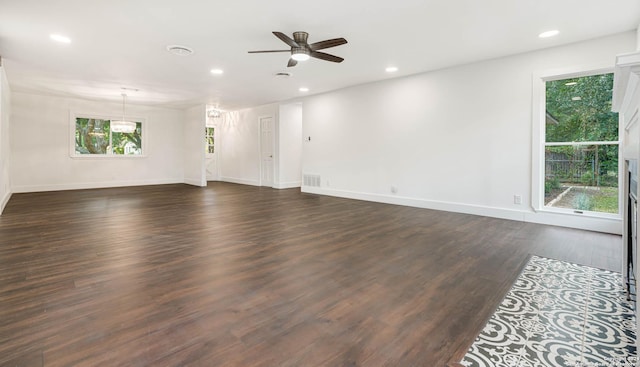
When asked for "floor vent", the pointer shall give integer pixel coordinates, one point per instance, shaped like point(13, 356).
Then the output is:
point(311, 180)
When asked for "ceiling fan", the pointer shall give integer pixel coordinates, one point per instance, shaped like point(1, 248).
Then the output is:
point(301, 50)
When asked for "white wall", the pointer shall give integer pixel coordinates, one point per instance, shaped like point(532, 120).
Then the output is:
point(5, 152)
point(194, 146)
point(289, 146)
point(40, 146)
point(239, 153)
point(456, 139)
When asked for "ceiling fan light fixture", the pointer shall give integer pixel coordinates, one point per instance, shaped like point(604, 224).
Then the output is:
point(300, 54)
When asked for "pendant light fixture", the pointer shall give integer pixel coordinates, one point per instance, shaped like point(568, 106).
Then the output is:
point(123, 126)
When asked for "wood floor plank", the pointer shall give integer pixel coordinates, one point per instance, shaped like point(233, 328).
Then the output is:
point(233, 275)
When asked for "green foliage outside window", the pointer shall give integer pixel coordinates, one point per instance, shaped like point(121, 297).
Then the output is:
point(94, 136)
point(582, 110)
point(578, 115)
point(210, 139)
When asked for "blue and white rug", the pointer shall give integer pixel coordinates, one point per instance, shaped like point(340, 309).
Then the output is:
point(559, 314)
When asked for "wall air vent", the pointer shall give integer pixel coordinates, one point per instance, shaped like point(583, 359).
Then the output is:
point(180, 50)
point(311, 180)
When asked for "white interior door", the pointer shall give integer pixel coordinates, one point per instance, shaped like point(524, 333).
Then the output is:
point(266, 151)
point(211, 155)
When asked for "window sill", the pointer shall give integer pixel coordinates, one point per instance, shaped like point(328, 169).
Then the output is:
point(101, 157)
point(581, 214)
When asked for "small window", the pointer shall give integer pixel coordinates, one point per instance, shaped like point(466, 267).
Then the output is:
point(105, 137)
point(210, 140)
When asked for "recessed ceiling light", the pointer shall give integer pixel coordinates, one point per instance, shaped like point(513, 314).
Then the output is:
point(217, 71)
point(303, 89)
point(548, 34)
point(180, 50)
point(60, 38)
point(576, 98)
point(391, 69)
point(571, 83)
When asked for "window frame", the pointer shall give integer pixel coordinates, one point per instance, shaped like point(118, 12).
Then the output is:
point(539, 143)
point(72, 136)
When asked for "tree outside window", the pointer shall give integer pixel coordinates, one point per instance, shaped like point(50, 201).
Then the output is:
point(95, 137)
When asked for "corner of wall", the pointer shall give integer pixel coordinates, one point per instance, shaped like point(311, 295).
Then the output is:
point(5, 152)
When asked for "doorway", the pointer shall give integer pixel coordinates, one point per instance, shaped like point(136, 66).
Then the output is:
point(266, 151)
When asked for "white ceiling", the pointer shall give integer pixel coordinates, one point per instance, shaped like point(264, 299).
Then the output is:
point(122, 43)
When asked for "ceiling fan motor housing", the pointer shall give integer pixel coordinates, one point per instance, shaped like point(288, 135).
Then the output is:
point(301, 38)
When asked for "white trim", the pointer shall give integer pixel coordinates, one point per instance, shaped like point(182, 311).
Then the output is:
point(5, 201)
point(93, 185)
point(626, 64)
point(606, 225)
point(287, 185)
point(632, 120)
point(576, 143)
point(420, 203)
point(240, 181)
point(72, 136)
point(580, 213)
point(194, 182)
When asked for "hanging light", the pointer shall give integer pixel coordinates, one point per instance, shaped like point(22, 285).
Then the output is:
point(123, 126)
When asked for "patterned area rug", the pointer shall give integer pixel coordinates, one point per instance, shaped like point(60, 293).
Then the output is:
point(559, 314)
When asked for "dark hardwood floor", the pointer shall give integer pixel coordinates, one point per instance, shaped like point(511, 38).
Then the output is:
point(233, 275)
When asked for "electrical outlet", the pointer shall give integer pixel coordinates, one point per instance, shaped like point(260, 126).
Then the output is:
point(517, 199)
point(394, 189)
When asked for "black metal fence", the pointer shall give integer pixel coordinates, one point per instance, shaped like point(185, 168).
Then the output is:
point(567, 168)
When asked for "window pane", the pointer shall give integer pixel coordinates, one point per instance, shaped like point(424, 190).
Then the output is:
point(128, 143)
point(583, 177)
point(209, 139)
point(579, 110)
point(92, 136)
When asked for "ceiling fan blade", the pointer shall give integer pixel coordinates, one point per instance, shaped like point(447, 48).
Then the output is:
point(286, 39)
point(291, 63)
point(325, 56)
point(328, 43)
point(258, 52)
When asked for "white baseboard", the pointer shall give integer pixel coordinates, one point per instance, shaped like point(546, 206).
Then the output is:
point(92, 185)
point(287, 185)
point(195, 182)
point(606, 225)
point(4, 201)
point(240, 181)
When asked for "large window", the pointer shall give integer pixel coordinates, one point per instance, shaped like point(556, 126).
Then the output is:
point(104, 137)
point(581, 146)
